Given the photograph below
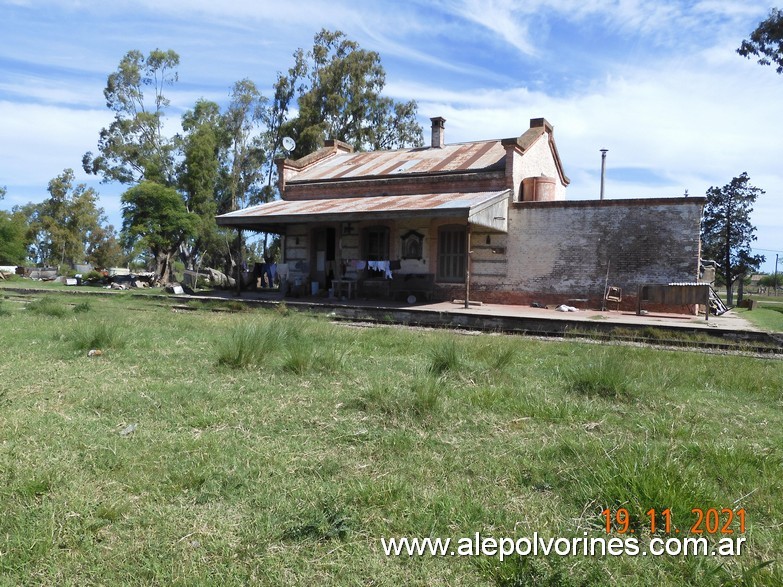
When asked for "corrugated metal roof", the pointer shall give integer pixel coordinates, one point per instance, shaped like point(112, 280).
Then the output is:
point(283, 212)
point(450, 201)
point(457, 157)
point(688, 284)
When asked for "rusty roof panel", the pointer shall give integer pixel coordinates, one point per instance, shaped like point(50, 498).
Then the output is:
point(457, 157)
point(414, 203)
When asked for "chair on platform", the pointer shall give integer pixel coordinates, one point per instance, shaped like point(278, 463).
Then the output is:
point(614, 294)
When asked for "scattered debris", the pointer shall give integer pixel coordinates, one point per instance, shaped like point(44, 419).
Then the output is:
point(564, 308)
point(128, 430)
point(220, 279)
point(43, 273)
point(94, 353)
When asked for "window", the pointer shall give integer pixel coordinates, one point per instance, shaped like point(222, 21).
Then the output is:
point(451, 253)
point(376, 243)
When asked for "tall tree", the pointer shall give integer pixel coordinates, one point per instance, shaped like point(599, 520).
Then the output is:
point(246, 151)
point(727, 232)
point(154, 217)
point(276, 116)
point(13, 245)
point(204, 145)
point(68, 227)
point(133, 148)
point(766, 41)
point(340, 98)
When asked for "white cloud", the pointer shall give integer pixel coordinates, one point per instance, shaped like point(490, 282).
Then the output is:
point(38, 141)
point(657, 83)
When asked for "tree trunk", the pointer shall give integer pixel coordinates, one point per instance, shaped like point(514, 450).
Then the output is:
point(740, 289)
point(727, 256)
point(164, 270)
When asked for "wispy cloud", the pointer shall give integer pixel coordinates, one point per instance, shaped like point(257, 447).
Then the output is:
point(657, 83)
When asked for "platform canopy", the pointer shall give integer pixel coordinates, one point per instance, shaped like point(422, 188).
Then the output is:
point(486, 209)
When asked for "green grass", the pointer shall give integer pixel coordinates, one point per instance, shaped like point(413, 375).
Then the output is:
point(274, 448)
point(100, 335)
point(767, 316)
point(47, 306)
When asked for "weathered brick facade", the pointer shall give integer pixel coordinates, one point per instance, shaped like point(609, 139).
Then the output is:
point(527, 243)
point(560, 251)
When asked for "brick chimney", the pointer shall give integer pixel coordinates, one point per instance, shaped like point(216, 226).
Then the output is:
point(438, 134)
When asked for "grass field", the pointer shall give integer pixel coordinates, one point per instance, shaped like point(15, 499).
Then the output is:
point(768, 315)
point(275, 448)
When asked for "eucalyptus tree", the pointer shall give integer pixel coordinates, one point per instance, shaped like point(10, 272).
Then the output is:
point(340, 98)
point(69, 227)
point(203, 144)
point(135, 150)
point(134, 147)
point(246, 153)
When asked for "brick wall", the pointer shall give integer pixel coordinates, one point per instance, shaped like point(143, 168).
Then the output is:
point(560, 251)
point(399, 185)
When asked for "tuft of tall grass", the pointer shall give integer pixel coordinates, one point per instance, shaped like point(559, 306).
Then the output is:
point(444, 357)
point(246, 345)
point(295, 345)
point(327, 522)
point(82, 307)
point(299, 358)
point(47, 306)
point(605, 376)
point(420, 399)
point(3, 310)
point(638, 477)
point(99, 335)
point(499, 356)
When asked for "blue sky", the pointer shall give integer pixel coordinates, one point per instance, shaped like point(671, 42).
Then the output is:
point(657, 83)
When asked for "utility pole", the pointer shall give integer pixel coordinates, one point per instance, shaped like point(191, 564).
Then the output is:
point(603, 170)
point(776, 275)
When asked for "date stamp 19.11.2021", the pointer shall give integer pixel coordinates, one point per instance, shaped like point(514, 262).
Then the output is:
point(702, 521)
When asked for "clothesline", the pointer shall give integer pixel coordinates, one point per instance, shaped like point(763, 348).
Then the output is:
point(384, 267)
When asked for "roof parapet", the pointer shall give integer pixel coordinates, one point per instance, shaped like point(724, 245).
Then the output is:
point(289, 168)
point(338, 145)
point(541, 122)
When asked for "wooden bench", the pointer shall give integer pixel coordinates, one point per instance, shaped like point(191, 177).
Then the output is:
point(375, 287)
point(419, 285)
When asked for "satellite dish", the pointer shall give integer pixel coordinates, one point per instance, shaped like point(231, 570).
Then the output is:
point(288, 143)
